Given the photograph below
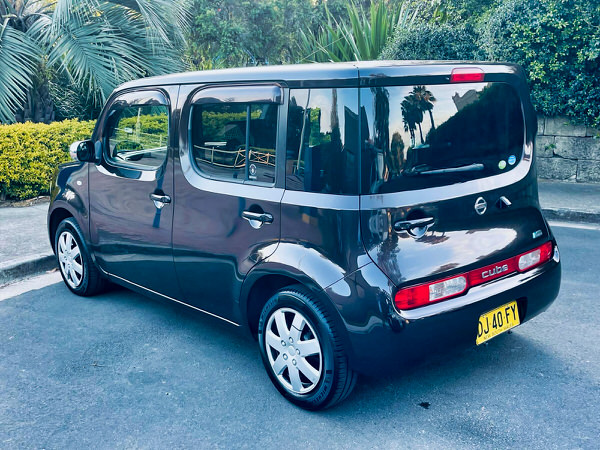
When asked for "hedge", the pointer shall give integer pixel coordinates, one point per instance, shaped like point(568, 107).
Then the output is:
point(432, 41)
point(556, 41)
point(30, 153)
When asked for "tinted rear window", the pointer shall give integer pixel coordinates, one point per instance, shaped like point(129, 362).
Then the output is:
point(416, 137)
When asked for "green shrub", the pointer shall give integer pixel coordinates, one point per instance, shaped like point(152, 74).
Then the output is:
point(432, 41)
point(556, 41)
point(30, 152)
point(558, 44)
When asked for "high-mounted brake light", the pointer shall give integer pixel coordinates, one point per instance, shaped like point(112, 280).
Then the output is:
point(466, 75)
point(438, 290)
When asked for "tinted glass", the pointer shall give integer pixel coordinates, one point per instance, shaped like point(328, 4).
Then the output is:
point(219, 134)
point(415, 137)
point(138, 135)
point(322, 140)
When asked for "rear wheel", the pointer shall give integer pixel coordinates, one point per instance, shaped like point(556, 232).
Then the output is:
point(302, 350)
point(78, 271)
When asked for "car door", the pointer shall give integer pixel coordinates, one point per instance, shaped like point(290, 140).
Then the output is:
point(227, 185)
point(131, 188)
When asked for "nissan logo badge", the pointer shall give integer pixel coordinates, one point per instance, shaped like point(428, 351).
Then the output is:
point(480, 206)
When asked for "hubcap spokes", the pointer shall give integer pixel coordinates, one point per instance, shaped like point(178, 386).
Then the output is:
point(69, 258)
point(293, 350)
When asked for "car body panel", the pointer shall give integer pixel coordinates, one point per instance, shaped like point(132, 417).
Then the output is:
point(69, 193)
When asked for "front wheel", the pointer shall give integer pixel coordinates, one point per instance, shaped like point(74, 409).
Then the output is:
point(78, 271)
point(302, 350)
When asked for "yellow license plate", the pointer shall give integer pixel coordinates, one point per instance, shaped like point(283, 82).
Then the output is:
point(497, 321)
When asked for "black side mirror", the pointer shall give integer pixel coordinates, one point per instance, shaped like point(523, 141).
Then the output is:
point(83, 151)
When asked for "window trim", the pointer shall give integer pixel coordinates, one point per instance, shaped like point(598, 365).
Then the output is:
point(108, 162)
point(195, 99)
point(258, 93)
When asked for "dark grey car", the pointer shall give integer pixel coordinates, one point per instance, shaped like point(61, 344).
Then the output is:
point(351, 216)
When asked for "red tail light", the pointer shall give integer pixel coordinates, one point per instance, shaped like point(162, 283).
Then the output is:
point(438, 290)
point(466, 75)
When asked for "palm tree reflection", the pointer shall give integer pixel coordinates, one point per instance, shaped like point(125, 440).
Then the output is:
point(413, 107)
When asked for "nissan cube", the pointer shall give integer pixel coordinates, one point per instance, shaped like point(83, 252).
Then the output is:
point(353, 217)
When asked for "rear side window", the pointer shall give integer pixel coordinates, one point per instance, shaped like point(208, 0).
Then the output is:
point(138, 130)
point(235, 141)
point(416, 137)
point(322, 137)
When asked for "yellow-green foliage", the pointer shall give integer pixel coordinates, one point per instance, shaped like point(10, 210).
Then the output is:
point(146, 131)
point(30, 152)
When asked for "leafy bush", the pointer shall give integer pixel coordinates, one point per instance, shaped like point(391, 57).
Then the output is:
point(432, 41)
point(363, 37)
point(558, 43)
point(29, 154)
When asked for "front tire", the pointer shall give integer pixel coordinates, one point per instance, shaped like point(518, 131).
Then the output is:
point(302, 350)
point(78, 271)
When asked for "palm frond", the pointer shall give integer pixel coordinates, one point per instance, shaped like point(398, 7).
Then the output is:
point(92, 53)
point(19, 57)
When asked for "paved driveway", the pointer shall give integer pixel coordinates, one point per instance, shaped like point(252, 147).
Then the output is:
point(120, 371)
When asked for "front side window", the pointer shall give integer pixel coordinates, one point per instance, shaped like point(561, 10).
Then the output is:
point(138, 132)
point(322, 140)
point(235, 141)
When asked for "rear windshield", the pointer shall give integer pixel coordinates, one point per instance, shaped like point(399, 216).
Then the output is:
point(416, 137)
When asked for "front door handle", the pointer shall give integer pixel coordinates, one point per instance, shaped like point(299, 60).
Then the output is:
point(160, 200)
point(415, 227)
point(257, 220)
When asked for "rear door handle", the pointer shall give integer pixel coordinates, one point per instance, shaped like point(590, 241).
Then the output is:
point(256, 220)
point(415, 227)
point(160, 200)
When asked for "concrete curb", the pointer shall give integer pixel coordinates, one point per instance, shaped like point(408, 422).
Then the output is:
point(571, 215)
point(27, 267)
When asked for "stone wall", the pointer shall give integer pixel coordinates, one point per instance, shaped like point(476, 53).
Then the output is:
point(567, 152)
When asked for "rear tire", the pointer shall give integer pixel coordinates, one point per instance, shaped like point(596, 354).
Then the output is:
point(78, 271)
point(302, 350)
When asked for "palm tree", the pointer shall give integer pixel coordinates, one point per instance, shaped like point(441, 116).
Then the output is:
point(408, 119)
point(91, 44)
point(412, 116)
point(425, 101)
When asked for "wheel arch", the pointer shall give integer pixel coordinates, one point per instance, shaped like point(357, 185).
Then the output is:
point(261, 284)
point(56, 216)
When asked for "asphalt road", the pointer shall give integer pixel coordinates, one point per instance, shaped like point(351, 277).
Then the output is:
point(120, 370)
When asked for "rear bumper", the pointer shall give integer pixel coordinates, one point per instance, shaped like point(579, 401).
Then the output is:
point(398, 338)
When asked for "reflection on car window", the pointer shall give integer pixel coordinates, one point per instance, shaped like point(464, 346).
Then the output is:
point(139, 136)
point(219, 136)
point(321, 141)
point(416, 137)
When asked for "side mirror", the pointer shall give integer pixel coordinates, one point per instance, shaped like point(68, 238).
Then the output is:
point(83, 151)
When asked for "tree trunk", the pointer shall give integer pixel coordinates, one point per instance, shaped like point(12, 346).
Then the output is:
point(39, 106)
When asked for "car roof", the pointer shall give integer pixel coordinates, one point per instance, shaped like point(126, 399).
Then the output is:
point(346, 73)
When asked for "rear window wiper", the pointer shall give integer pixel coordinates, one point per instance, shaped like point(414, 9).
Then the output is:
point(475, 167)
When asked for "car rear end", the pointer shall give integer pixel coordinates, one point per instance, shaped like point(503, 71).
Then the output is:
point(449, 204)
